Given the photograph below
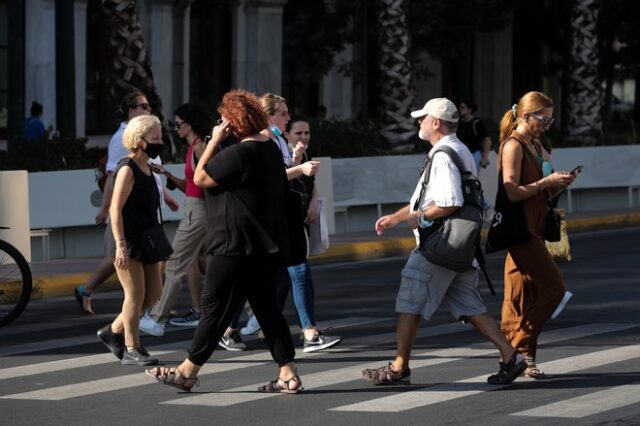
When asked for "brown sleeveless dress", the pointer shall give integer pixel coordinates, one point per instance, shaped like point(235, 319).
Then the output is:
point(533, 286)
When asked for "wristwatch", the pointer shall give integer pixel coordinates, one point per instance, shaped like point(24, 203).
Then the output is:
point(423, 222)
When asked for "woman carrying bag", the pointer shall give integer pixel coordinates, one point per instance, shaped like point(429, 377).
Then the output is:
point(533, 284)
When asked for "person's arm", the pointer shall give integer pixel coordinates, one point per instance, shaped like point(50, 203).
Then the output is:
point(309, 168)
point(298, 154)
point(312, 212)
point(121, 190)
point(512, 155)
point(201, 177)
point(170, 201)
point(486, 148)
point(103, 213)
point(392, 220)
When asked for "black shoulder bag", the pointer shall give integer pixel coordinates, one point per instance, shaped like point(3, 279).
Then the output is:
point(153, 242)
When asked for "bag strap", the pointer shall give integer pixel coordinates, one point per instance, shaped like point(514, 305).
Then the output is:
point(427, 170)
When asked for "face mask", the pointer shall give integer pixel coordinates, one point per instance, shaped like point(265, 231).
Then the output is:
point(276, 130)
point(153, 149)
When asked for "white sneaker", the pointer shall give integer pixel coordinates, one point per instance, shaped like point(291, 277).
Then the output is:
point(252, 327)
point(562, 304)
point(149, 326)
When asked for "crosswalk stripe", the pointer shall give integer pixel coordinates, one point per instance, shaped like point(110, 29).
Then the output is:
point(238, 395)
point(106, 358)
point(45, 345)
point(475, 385)
point(587, 405)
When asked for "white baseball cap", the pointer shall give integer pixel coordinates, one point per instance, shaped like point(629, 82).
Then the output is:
point(441, 108)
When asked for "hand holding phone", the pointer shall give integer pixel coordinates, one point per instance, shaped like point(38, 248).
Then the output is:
point(577, 170)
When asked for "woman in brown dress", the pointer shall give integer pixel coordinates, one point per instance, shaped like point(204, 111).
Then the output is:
point(533, 283)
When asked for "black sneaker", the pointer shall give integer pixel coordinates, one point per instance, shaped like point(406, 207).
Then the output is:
point(113, 341)
point(508, 370)
point(320, 341)
point(232, 342)
point(137, 356)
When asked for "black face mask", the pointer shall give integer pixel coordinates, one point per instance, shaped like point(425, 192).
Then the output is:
point(153, 149)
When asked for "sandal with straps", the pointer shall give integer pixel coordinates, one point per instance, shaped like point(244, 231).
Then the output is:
point(532, 369)
point(293, 385)
point(172, 377)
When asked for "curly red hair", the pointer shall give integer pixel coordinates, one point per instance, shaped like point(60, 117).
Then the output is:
point(244, 112)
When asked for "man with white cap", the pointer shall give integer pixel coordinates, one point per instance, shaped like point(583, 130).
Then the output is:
point(425, 286)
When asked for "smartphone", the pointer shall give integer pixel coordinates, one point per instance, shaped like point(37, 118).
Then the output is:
point(577, 170)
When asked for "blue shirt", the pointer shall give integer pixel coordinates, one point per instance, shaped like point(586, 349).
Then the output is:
point(33, 129)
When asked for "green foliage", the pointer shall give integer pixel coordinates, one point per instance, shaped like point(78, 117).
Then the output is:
point(348, 138)
point(49, 155)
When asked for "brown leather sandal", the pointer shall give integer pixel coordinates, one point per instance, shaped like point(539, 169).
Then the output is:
point(293, 385)
point(173, 377)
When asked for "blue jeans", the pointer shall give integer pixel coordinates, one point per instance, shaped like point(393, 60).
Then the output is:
point(303, 293)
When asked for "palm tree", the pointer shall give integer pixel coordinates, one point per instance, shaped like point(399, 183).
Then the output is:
point(396, 88)
point(131, 65)
point(585, 96)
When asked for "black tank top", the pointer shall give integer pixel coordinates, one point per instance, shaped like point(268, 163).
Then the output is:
point(140, 211)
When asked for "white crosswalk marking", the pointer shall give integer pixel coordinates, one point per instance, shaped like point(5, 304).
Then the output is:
point(44, 345)
point(587, 405)
point(343, 375)
point(475, 385)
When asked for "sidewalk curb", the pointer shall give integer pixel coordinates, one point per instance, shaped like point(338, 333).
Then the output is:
point(62, 285)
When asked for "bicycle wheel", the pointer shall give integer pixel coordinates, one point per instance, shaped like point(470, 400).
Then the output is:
point(15, 283)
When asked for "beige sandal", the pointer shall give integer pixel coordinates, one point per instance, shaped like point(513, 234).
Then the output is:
point(532, 370)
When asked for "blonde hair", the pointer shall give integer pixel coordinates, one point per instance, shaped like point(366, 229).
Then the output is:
point(269, 103)
point(530, 103)
point(138, 128)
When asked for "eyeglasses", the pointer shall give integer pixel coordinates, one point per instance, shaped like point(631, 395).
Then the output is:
point(545, 121)
point(144, 106)
point(220, 121)
point(178, 124)
point(421, 119)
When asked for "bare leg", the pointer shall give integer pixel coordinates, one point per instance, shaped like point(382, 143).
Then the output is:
point(488, 327)
point(104, 270)
point(132, 281)
point(406, 332)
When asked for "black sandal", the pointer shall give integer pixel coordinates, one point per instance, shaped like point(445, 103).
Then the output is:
point(287, 386)
point(172, 377)
point(509, 370)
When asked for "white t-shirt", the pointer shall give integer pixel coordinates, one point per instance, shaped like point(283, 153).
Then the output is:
point(445, 184)
point(117, 152)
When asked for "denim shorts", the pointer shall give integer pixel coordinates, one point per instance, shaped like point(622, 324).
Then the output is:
point(425, 286)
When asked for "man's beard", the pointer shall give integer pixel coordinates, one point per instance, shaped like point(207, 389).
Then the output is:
point(423, 135)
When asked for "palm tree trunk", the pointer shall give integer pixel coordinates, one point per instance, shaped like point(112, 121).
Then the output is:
point(131, 65)
point(396, 89)
point(585, 91)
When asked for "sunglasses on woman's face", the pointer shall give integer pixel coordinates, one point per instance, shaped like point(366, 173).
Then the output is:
point(545, 121)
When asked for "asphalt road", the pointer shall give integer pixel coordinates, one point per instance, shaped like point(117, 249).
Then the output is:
point(53, 370)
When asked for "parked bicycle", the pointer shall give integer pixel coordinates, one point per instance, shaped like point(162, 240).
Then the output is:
point(15, 282)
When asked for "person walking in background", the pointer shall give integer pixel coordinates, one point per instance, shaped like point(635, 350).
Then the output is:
point(424, 285)
point(298, 136)
point(192, 123)
point(33, 126)
point(134, 209)
point(533, 285)
point(247, 242)
point(473, 133)
point(132, 105)
point(278, 114)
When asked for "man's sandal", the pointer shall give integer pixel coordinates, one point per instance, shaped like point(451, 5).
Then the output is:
point(173, 377)
point(532, 369)
point(293, 385)
point(387, 376)
point(509, 370)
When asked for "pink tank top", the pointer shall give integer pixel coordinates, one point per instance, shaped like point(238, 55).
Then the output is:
point(192, 190)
